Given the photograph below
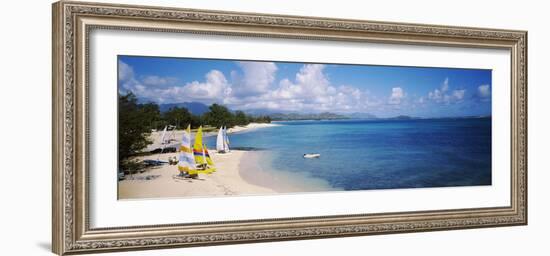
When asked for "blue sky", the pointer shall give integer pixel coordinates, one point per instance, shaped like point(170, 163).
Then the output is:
point(384, 91)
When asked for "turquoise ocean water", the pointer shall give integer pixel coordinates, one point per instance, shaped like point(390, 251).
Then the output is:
point(377, 154)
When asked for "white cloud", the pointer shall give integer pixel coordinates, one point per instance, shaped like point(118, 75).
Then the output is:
point(256, 78)
point(458, 95)
point(397, 95)
point(125, 72)
point(310, 84)
point(166, 90)
point(435, 95)
point(126, 78)
point(215, 87)
point(484, 91)
point(442, 94)
point(310, 91)
point(445, 85)
point(312, 79)
point(159, 81)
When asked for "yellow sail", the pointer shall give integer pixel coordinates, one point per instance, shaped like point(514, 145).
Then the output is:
point(200, 155)
point(209, 161)
point(197, 148)
point(207, 156)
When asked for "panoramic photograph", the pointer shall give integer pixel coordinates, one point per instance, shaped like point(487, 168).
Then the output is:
point(191, 127)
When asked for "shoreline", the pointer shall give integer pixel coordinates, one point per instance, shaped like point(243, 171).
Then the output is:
point(258, 171)
point(155, 136)
point(250, 127)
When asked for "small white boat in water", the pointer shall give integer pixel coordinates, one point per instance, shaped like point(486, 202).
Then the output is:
point(312, 155)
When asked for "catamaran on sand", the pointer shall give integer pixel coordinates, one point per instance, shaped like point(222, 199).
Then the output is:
point(196, 159)
point(193, 158)
point(222, 141)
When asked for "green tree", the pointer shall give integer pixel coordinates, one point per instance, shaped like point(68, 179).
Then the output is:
point(135, 122)
point(196, 121)
point(180, 117)
point(219, 116)
point(262, 119)
point(241, 118)
point(150, 115)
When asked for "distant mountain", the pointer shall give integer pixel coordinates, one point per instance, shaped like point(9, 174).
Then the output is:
point(262, 112)
point(195, 108)
point(296, 116)
point(463, 117)
point(361, 116)
point(402, 117)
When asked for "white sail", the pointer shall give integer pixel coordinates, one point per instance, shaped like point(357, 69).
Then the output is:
point(225, 140)
point(220, 141)
point(162, 142)
point(186, 160)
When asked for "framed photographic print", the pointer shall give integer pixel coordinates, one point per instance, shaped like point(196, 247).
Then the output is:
point(179, 127)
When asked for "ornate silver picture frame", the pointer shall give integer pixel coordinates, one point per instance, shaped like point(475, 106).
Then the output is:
point(74, 21)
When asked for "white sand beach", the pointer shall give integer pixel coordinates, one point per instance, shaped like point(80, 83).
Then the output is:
point(250, 126)
point(161, 181)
